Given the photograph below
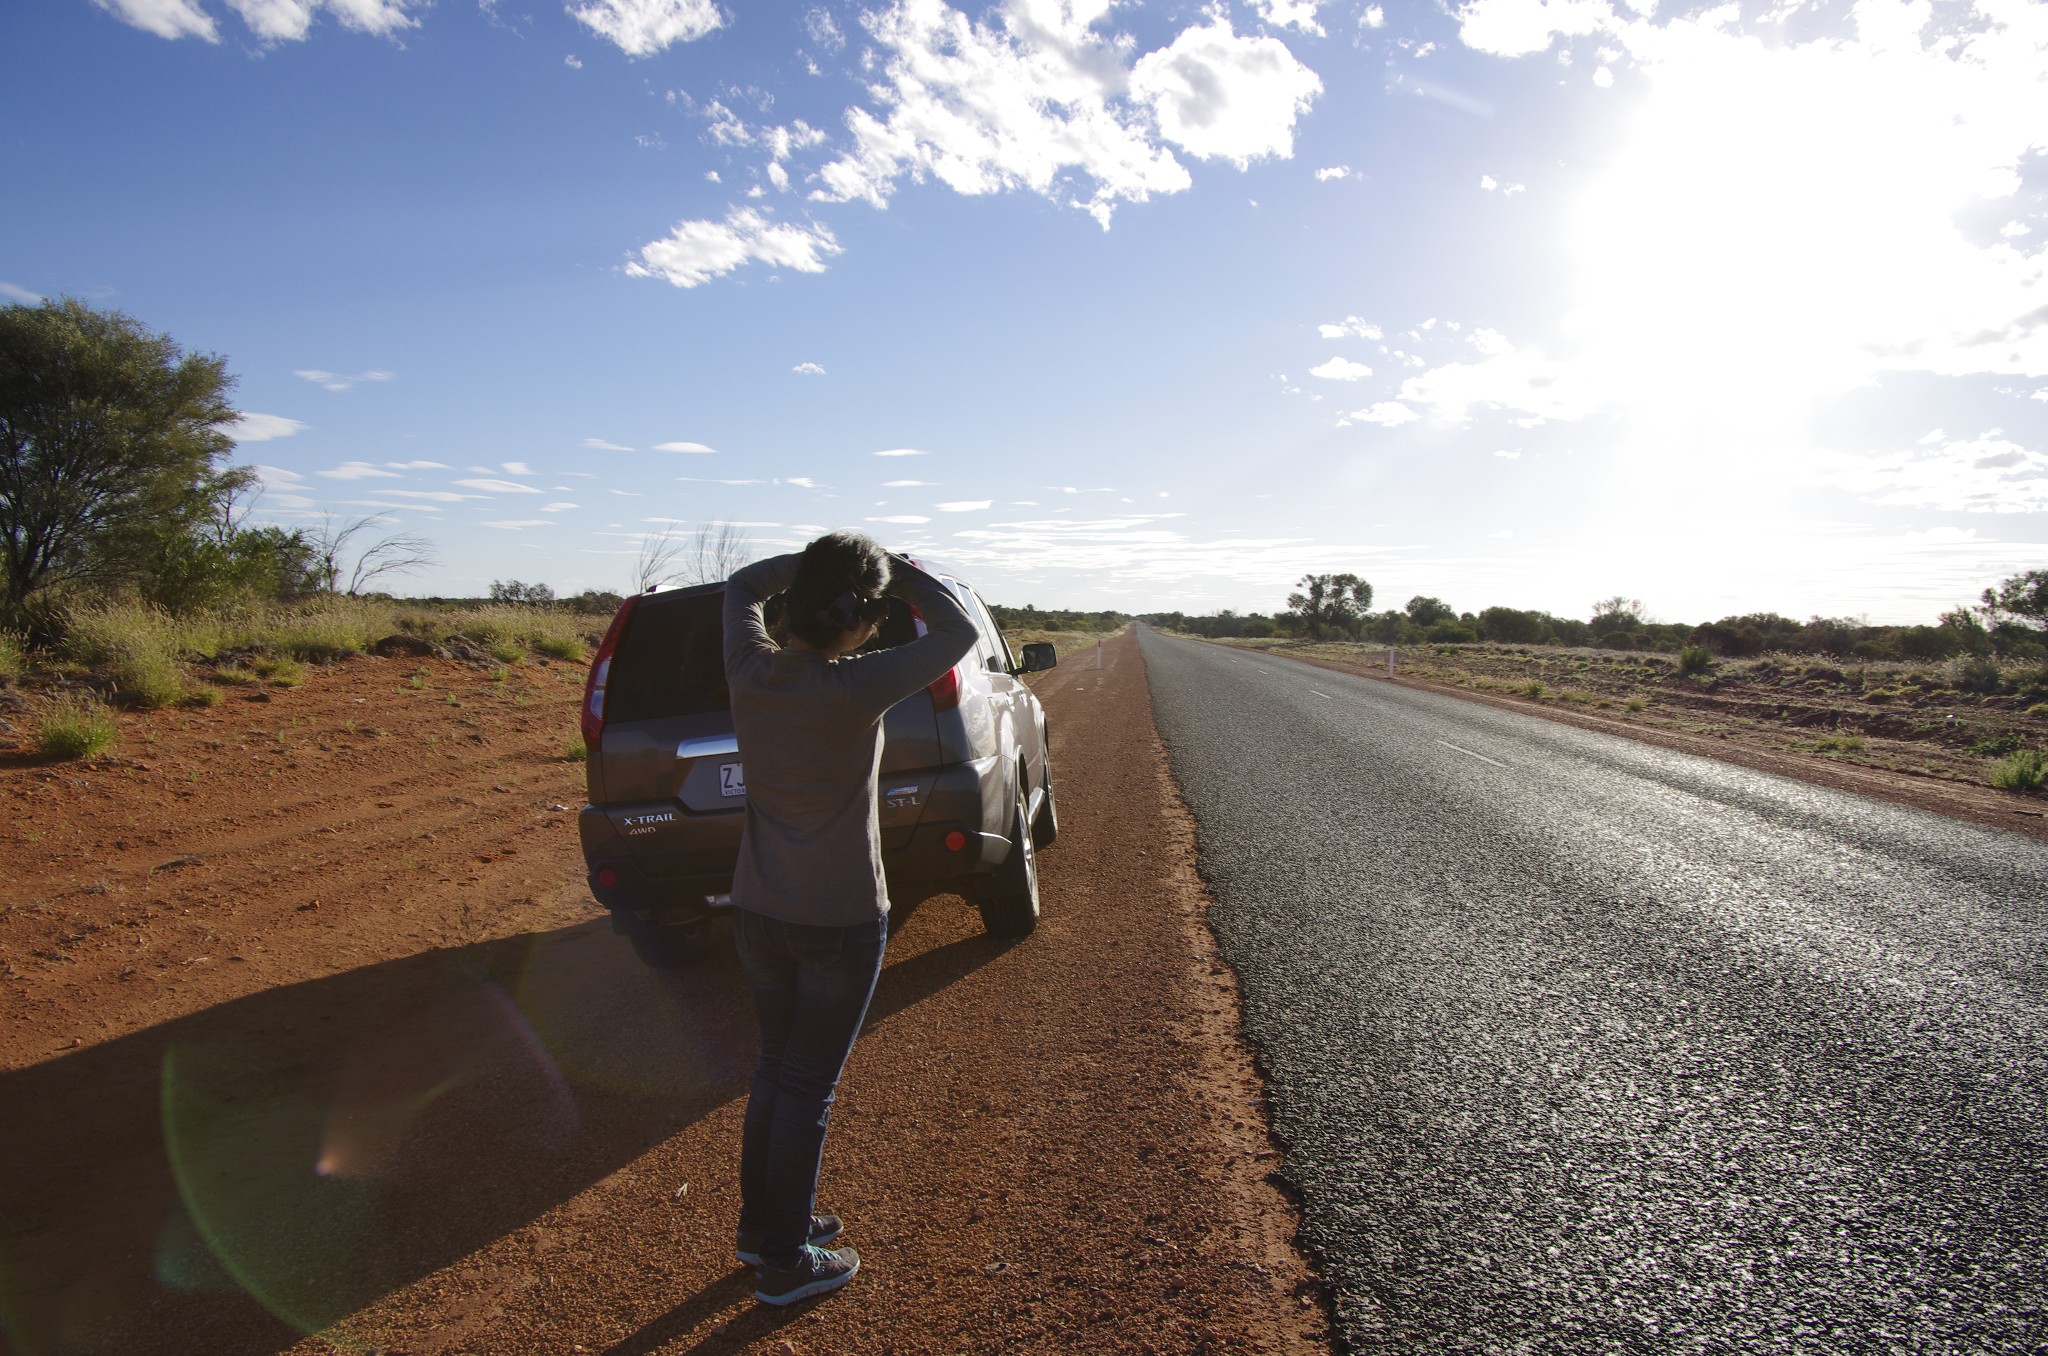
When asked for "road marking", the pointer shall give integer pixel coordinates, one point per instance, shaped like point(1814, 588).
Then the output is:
point(1468, 753)
point(1262, 670)
point(1324, 695)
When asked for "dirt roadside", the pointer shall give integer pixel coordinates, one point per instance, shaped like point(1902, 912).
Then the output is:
point(329, 1038)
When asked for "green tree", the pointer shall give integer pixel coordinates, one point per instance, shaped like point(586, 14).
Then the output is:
point(1330, 600)
point(1617, 614)
point(2021, 600)
point(1426, 612)
point(107, 431)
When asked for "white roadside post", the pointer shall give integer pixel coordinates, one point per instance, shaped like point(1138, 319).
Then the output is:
point(1390, 661)
point(1098, 654)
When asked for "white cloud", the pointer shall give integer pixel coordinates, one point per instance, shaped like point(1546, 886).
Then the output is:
point(249, 427)
point(808, 370)
point(905, 484)
point(1374, 17)
point(1036, 99)
point(1299, 14)
point(1488, 182)
point(695, 252)
point(902, 452)
point(600, 445)
point(516, 468)
point(683, 447)
point(1387, 413)
point(1329, 172)
point(558, 507)
point(1340, 369)
point(1225, 97)
point(291, 20)
point(573, 62)
point(801, 482)
point(1986, 474)
point(964, 505)
point(903, 518)
point(358, 470)
point(165, 18)
point(519, 524)
point(1489, 341)
point(20, 294)
point(1350, 327)
point(497, 486)
point(430, 496)
point(417, 465)
point(643, 27)
point(341, 381)
point(1507, 455)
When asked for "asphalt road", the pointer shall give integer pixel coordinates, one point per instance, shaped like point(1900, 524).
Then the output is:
point(1577, 1044)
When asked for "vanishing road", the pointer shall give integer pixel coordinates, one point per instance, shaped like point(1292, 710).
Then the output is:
point(1580, 1045)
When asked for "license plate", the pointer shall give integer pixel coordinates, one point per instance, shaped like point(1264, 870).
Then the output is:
point(732, 781)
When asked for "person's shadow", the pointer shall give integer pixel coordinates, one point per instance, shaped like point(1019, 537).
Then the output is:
point(232, 1180)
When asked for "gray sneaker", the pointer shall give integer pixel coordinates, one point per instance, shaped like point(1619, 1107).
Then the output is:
point(824, 1228)
point(818, 1271)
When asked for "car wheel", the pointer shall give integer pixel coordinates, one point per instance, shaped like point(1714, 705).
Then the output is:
point(1008, 900)
point(1045, 829)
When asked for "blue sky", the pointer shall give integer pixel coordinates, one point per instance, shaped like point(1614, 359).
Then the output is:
point(1131, 305)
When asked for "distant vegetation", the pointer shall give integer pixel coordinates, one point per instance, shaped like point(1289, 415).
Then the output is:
point(1029, 618)
point(2010, 622)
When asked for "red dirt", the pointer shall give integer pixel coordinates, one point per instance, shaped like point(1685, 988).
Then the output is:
point(308, 1024)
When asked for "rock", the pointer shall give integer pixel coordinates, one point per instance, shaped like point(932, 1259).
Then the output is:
point(458, 648)
point(408, 647)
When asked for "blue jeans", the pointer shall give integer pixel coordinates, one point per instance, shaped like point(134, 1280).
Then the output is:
point(811, 989)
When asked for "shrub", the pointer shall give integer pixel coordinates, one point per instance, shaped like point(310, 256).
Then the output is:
point(1992, 746)
point(1975, 673)
point(571, 647)
point(234, 675)
point(76, 728)
point(1532, 688)
point(280, 672)
point(2023, 772)
point(1839, 744)
point(2038, 709)
point(13, 656)
point(576, 752)
point(1695, 659)
point(202, 697)
point(1258, 628)
point(1636, 704)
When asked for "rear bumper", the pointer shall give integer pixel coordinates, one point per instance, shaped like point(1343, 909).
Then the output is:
point(672, 876)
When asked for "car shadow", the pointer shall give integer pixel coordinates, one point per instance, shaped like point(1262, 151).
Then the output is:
point(231, 1180)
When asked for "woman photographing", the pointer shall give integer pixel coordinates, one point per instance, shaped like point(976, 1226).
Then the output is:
point(811, 905)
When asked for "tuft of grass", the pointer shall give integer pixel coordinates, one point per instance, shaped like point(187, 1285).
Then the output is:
point(203, 697)
point(1840, 744)
point(234, 675)
point(13, 656)
point(505, 652)
point(560, 647)
point(500, 674)
point(2038, 709)
point(76, 728)
point(1880, 695)
point(2023, 772)
point(1636, 703)
point(575, 751)
point(280, 671)
point(1694, 659)
point(1992, 746)
point(1576, 697)
point(1533, 688)
point(416, 683)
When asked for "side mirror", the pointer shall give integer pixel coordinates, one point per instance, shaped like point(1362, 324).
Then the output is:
point(1039, 657)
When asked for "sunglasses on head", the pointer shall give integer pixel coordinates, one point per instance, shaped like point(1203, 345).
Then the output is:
point(849, 610)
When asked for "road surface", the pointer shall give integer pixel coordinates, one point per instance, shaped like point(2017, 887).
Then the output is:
point(1578, 1044)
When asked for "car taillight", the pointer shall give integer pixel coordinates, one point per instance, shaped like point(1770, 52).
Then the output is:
point(600, 674)
point(946, 690)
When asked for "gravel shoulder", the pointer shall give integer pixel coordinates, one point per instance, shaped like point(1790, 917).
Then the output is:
point(308, 1025)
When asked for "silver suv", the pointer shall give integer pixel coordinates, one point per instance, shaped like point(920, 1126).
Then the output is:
point(965, 797)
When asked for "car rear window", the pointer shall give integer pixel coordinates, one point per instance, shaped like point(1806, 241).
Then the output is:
point(671, 661)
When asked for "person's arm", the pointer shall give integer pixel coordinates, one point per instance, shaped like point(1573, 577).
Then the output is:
point(882, 678)
point(746, 597)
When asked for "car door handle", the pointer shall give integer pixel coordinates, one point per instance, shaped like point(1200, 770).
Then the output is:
point(712, 746)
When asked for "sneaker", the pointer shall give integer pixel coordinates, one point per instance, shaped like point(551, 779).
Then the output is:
point(818, 1271)
point(824, 1228)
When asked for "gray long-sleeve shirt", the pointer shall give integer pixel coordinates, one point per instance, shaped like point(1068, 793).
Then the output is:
point(810, 735)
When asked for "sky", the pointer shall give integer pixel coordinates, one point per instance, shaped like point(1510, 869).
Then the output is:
point(1725, 308)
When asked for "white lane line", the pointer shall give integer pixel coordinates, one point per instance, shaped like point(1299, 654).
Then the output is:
point(1324, 695)
point(1468, 753)
point(1262, 670)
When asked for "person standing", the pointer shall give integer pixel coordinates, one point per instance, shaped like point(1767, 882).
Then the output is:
point(811, 905)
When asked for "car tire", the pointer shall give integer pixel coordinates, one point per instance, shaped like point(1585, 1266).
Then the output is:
point(1008, 900)
point(1045, 828)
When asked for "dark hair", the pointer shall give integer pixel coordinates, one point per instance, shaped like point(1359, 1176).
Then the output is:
point(836, 564)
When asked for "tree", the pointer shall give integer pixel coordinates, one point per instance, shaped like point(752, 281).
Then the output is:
point(105, 428)
point(708, 556)
point(1617, 614)
point(396, 553)
point(1429, 611)
point(1335, 600)
point(512, 591)
point(2021, 600)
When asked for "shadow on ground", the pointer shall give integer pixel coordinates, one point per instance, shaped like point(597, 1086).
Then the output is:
point(231, 1180)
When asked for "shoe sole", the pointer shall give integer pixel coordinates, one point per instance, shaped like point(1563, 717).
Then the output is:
point(823, 1286)
point(753, 1259)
